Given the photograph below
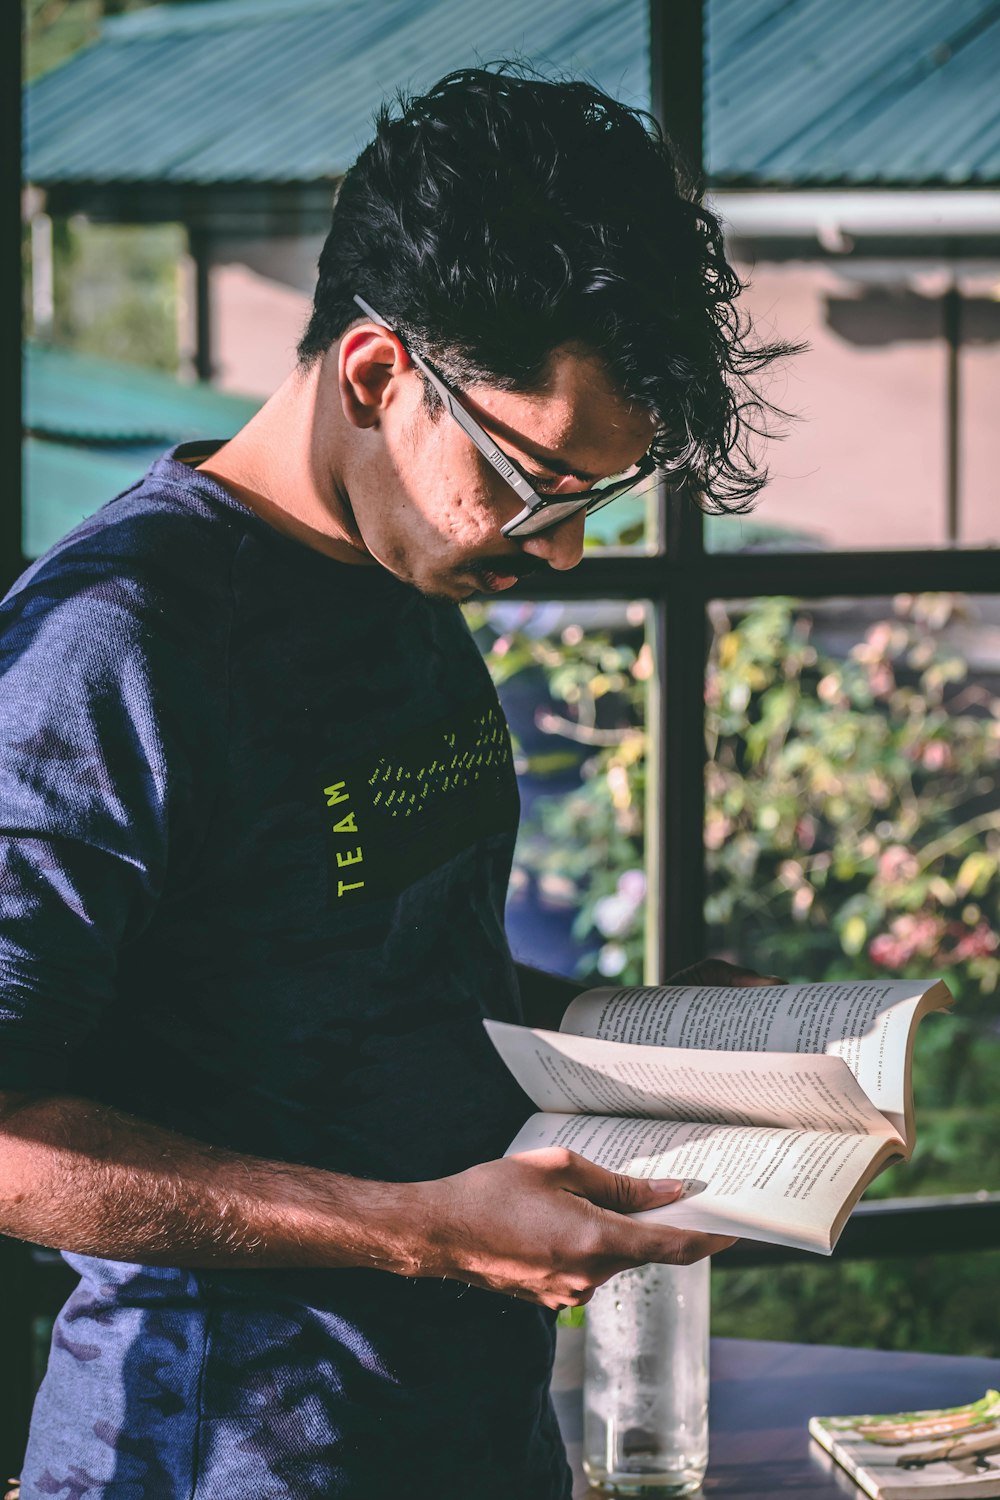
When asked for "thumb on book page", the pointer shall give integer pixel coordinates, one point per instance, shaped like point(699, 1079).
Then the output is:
point(622, 1194)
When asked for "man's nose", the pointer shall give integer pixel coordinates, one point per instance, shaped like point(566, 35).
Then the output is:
point(561, 546)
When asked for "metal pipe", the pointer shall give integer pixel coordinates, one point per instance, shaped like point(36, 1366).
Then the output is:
point(886, 212)
point(952, 308)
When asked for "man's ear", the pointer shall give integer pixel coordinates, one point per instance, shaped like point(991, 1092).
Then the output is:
point(369, 360)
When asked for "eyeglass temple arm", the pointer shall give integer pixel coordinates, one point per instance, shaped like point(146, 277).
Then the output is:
point(469, 425)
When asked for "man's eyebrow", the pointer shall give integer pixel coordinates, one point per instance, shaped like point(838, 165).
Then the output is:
point(557, 466)
point(521, 451)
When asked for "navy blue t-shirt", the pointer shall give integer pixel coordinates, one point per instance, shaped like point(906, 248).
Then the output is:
point(257, 814)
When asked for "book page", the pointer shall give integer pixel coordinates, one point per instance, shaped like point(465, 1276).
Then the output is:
point(787, 1187)
point(869, 1024)
point(583, 1075)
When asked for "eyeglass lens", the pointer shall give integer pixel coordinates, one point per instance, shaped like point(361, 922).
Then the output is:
point(560, 510)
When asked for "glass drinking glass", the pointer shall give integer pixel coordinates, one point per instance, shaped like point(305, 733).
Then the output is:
point(645, 1394)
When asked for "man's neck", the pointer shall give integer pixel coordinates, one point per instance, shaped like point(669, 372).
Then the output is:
point(269, 467)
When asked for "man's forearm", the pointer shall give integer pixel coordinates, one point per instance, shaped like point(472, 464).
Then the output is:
point(79, 1175)
point(545, 1225)
point(545, 996)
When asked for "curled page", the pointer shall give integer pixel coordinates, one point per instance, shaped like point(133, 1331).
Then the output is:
point(583, 1075)
point(869, 1024)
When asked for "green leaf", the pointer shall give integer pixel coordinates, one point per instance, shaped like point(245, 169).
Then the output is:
point(853, 934)
point(571, 1317)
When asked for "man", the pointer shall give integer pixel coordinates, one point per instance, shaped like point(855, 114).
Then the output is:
point(258, 812)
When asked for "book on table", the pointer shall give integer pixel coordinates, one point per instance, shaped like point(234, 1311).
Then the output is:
point(775, 1105)
point(944, 1454)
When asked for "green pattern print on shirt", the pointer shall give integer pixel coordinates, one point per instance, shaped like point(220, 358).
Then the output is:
point(401, 791)
point(411, 806)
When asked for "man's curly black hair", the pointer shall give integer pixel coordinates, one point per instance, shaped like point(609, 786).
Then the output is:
point(501, 215)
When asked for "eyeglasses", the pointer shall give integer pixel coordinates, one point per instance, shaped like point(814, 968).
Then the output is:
point(540, 511)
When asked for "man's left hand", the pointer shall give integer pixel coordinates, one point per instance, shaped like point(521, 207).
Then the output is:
point(718, 971)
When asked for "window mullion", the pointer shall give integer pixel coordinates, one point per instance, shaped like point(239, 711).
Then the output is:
point(680, 735)
point(11, 561)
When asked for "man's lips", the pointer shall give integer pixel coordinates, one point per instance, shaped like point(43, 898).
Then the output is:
point(503, 572)
point(496, 582)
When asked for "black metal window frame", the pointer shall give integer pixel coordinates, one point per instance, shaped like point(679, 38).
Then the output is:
point(679, 582)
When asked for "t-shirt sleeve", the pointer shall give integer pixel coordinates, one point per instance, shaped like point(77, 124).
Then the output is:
point(109, 726)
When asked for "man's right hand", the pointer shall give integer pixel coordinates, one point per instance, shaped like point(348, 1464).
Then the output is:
point(549, 1227)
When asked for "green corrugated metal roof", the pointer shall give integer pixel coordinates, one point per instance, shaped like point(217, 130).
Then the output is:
point(902, 92)
point(65, 482)
point(95, 426)
point(242, 90)
point(79, 396)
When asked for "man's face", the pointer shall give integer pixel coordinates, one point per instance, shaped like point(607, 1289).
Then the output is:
point(429, 507)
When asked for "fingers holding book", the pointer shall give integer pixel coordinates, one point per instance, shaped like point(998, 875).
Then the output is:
point(549, 1227)
point(720, 971)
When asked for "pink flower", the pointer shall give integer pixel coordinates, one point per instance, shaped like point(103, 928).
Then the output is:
point(896, 863)
point(978, 943)
point(909, 936)
point(937, 756)
point(717, 830)
point(886, 951)
point(632, 885)
point(880, 679)
point(805, 832)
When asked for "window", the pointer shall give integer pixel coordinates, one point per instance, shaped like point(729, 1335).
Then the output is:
point(846, 598)
point(844, 587)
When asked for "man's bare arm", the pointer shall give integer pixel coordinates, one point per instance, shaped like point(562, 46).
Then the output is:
point(79, 1175)
point(545, 1226)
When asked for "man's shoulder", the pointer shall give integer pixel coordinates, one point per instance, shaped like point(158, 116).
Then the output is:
point(153, 542)
point(149, 571)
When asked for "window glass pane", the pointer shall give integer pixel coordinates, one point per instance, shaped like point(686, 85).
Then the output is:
point(102, 305)
point(863, 463)
point(627, 524)
point(979, 402)
point(116, 290)
point(259, 282)
point(945, 1304)
point(853, 830)
point(573, 680)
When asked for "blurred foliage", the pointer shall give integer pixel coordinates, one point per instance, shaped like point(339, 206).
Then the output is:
point(115, 286)
point(55, 29)
point(852, 831)
point(853, 823)
point(116, 291)
point(944, 1304)
point(591, 840)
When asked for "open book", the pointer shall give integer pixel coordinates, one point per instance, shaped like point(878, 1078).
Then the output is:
point(776, 1105)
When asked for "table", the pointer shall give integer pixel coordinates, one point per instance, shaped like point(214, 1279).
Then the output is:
point(762, 1397)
